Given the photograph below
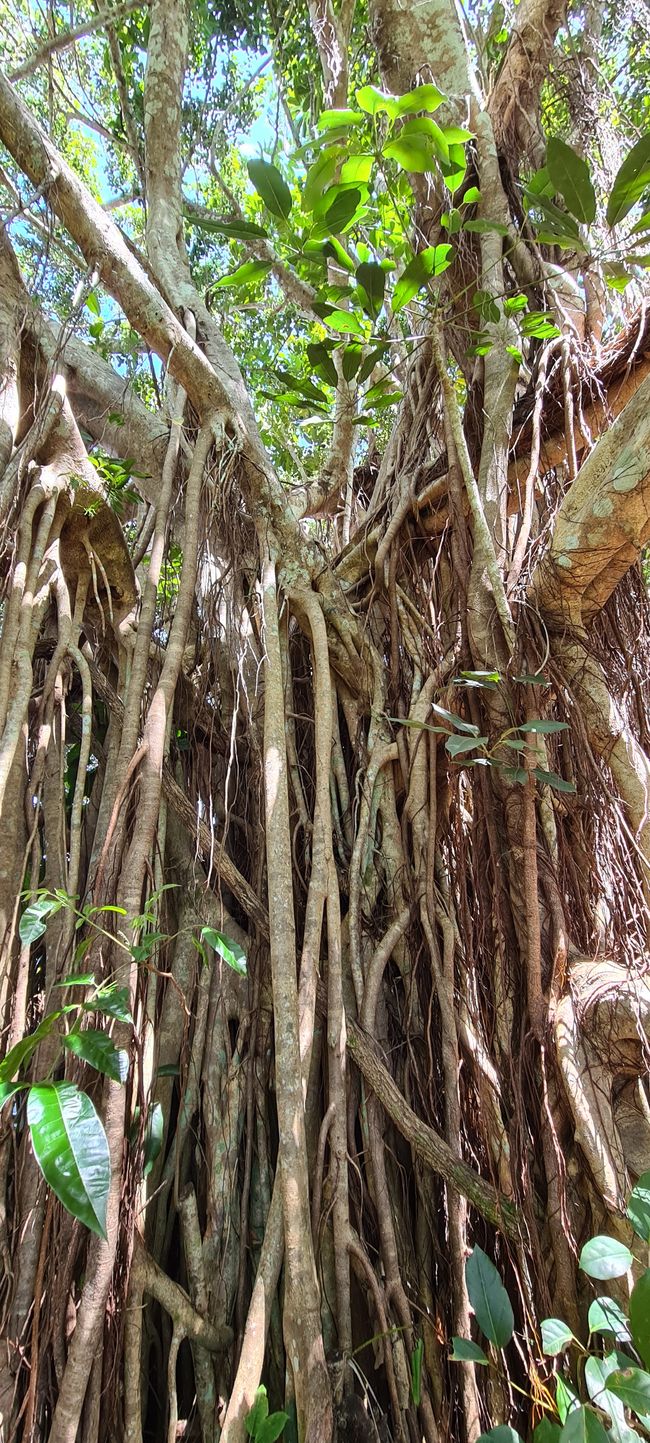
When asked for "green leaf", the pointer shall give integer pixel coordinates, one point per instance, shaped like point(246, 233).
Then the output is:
point(551, 779)
point(321, 361)
point(607, 1316)
point(71, 1150)
point(597, 1374)
point(303, 387)
point(631, 181)
point(455, 745)
point(8, 1089)
point(632, 1386)
point(153, 1137)
point(271, 187)
point(111, 1001)
point(370, 362)
point(543, 726)
point(22, 1051)
point(424, 97)
point(334, 250)
point(341, 210)
point(546, 1432)
point(77, 979)
point(489, 1299)
point(413, 153)
point(376, 102)
point(352, 358)
point(465, 1351)
point(456, 721)
point(258, 1412)
point(245, 275)
point(556, 1336)
point(424, 126)
point(416, 1372)
point(320, 175)
point(357, 168)
point(332, 119)
point(480, 226)
point(583, 1426)
point(372, 280)
point(272, 1427)
point(231, 229)
point(427, 264)
point(566, 1398)
point(98, 1049)
point(569, 174)
point(502, 1434)
point(540, 325)
point(604, 1257)
point(345, 323)
point(230, 951)
point(638, 1207)
point(92, 303)
point(32, 922)
point(640, 1316)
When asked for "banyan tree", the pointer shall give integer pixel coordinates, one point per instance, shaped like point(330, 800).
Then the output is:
point(324, 710)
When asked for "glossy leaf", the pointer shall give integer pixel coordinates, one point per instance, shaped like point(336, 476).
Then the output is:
point(566, 1398)
point(322, 362)
point(583, 1426)
point(32, 922)
point(569, 174)
point(556, 1336)
point(551, 779)
point(640, 1316)
point(345, 323)
point(229, 951)
point(271, 187)
point(456, 745)
point(547, 1431)
point(332, 119)
point(502, 1434)
point(320, 175)
point(257, 1414)
point(357, 168)
point(341, 210)
point(231, 229)
point(352, 358)
point(638, 1207)
point(376, 102)
point(632, 1386)
point(424, 266)
point(544, 726)
point(99, 1050)
point(465, 1351)
point(604, 1257)
point(111, 1001)
point(70, 1147)
point(607, 1316)
point(372, 280)
point(456, 721)
point(489, 1299)
point(632, 180)
point(424, 97)
point(247, 274)
point(414, 153)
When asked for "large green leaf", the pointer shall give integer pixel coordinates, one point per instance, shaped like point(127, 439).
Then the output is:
point(342, 208)
point(502, 1434)
point(111, 1001)
point(258, 1413)
point(22, 1051)
point(32, 922)
point(465, 1351)
point(376, 102)
point(556, 1336)
point(604, 1257)
point(638, 1207)
point(246, 274)
point(413, 153)
point(607, 1316)
point(333, 119)
point(570, 176)
point(424, 97)
point(640, 1316)
point(271, 187)
point(230, 951)
point(372, 280)
point(547, 1431)
point(632, 1386)
point(320, 175)
point(489, 1299)
point(70, 1147)
point(427, 264)
point(98, 1049)
point(230, 229)
point(597, 1374)
point(583, 1426)
point(632, 180)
